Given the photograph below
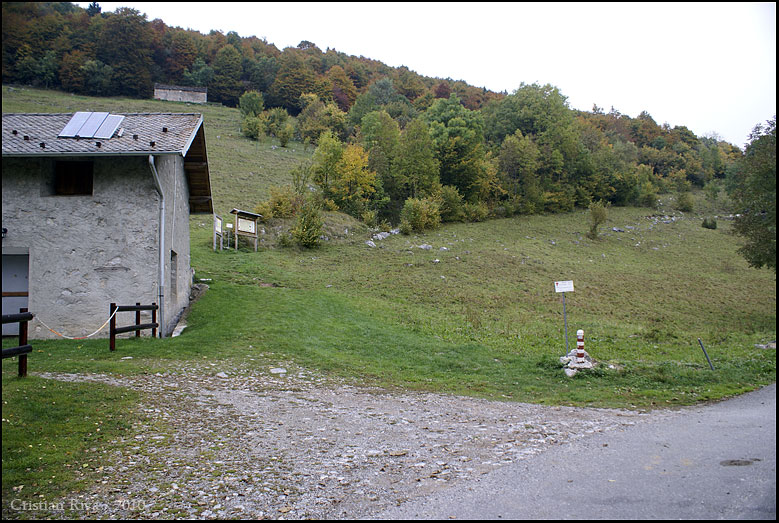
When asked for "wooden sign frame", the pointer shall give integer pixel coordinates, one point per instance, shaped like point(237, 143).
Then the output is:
point(246, 225)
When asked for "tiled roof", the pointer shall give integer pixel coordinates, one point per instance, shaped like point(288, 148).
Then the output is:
point(141, 134)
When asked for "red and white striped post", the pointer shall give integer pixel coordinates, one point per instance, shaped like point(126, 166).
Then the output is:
point(580, 344)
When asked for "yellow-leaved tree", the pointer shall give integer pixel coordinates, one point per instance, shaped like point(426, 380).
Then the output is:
point(355, 183)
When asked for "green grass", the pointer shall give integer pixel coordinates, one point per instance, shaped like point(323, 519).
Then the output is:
point(55, 436)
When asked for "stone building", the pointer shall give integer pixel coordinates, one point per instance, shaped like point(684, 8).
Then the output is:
point(96, 210)
point(178, 93)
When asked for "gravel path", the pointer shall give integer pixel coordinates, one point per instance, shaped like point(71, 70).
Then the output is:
point(292, 445)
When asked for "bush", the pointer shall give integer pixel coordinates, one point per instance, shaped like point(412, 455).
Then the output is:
point(283, 203)
point(647, 196)
point(419, 215)
point(251, 103)
point(369, 218)
point(476, 212)
point(308, 228)
point(559, 201)
point(709, 224)
point(684, 202)
point(285, 134)
point(451, 204)
point(598, 215)
point(252, 127)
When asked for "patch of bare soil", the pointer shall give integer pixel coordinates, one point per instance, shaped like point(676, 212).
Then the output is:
point(293, 445)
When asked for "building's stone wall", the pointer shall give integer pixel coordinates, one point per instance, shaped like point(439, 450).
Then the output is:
point(170, 170)
point(86, 252)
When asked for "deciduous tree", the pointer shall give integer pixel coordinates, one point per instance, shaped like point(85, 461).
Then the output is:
point(753, 189)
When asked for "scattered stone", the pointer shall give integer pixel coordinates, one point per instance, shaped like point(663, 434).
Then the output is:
point(425, 246)
point(369, 243)
point(222, 375)
point(278, 370)
point(572, 361)
point(309, 446)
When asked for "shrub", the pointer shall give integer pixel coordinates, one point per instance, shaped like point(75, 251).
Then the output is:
point(451, 204)
point(275, 120)
point(369, 218)
point(476, 212)
point(598, 215)
point(684, 202)
point(285, 134)
point(283, 203)
point(252, 127)
point(559, 201)
point(419, 215)
point(251, 103)
point(647, 196)
point(308, 228)
point(709, 224)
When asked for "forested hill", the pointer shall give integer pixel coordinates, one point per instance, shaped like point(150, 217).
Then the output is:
point(61, 45)
point(384, 135)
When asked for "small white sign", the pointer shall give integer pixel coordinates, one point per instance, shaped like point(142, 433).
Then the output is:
point(563, 286)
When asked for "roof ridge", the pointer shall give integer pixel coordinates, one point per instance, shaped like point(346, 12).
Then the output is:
point(125, 114)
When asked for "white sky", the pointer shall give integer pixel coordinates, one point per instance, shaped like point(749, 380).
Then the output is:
point(708, 66)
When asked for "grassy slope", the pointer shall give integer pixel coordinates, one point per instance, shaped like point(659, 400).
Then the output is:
point(481, 320)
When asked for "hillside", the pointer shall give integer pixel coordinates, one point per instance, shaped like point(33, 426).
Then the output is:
point(476, 313)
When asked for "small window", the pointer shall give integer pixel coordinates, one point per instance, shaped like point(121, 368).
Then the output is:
point(174, 275)
point(73, 178)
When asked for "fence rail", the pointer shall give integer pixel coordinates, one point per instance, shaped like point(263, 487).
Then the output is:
point(23, 349)
point(138, 326)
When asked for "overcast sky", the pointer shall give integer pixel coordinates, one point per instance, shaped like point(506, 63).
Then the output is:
point(708, 66)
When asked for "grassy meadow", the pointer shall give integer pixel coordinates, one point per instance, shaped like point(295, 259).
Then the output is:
point(475, 315)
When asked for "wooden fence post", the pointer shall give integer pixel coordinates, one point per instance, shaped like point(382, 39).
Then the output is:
point(113, 326)
point(23, 341)
point(154, 320)
point(138, 319)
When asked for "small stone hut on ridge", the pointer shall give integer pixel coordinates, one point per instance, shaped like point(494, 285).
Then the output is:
point(179, 93)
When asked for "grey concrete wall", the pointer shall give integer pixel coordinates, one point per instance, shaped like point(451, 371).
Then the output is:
point(174, 184)
point(88, 251)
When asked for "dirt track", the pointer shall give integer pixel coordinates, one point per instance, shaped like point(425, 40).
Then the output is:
point(293, 445)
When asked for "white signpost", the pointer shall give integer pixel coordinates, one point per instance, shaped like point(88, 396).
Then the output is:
point(563, 287)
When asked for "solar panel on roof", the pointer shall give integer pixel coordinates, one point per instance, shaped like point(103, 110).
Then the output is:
point(92, 124)
point(108, 127)
point(86, 124)
point(71, 129)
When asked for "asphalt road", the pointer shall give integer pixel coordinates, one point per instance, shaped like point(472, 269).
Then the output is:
point(711, 462)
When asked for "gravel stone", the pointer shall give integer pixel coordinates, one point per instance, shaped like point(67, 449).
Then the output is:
point(298, 445)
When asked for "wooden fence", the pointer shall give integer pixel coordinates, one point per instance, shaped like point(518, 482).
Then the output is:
point(23, 349)
point(138, 327)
